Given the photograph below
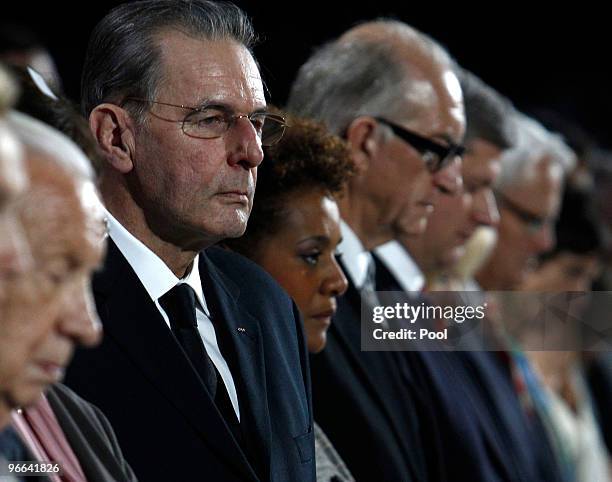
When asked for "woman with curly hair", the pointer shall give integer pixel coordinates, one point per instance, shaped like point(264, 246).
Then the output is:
point(293, 233)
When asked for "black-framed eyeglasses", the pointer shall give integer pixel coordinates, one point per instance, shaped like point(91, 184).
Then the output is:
point(212, 121)
point(533, 222)
point(436, 156)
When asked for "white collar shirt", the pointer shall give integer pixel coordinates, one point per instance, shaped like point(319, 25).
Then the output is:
point(355, 258)
point(401, 265)
point(157, 279)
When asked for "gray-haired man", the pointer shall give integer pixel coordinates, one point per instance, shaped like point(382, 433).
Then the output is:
point(203, 371)
point(391, 91)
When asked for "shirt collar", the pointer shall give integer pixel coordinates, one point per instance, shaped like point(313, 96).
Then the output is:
point(401, 265)
point(355, 258)
point(152, 272)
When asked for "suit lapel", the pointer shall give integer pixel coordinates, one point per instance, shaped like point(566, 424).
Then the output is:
point(242, 339)
point(134, 323)
point(365, 363)
point(350, 338)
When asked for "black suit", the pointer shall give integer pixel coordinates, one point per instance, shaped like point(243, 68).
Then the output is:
point(364, 405)
point(484, 432)
point(165, 420)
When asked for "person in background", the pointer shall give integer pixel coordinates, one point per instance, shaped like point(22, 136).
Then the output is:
point(15, 256)
point(294, 232)
point(203, 345)
point(390, 91)
point(456, 216)
point(528, 193)
point(561, 396)
point(63, 222)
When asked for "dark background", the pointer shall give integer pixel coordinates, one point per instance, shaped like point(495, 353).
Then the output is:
point(557, 59)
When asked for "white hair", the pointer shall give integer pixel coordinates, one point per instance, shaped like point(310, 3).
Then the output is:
point(43, 138)
point(61, 150)
point(533, 143)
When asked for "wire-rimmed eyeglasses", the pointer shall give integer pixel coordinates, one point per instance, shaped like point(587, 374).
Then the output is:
point(210, 122)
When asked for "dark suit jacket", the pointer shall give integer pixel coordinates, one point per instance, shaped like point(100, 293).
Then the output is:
point(364, 405)
point(599, 376)
point(89, 434)
point(485, 433)
point(165, 420)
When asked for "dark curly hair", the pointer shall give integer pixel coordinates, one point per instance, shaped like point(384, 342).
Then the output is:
point(308, 157)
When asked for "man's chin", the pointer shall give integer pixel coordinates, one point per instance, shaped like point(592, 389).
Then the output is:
point(234, 231)
point(23, 397)
point(411, 228)
point(451, 257)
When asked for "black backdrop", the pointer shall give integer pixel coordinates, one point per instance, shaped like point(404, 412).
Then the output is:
point(557, 59)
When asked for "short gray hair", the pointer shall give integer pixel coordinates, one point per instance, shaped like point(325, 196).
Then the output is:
point(50, 142)
point(123, 59)
point(487, 113)
point(533, 142)
point(348, 78)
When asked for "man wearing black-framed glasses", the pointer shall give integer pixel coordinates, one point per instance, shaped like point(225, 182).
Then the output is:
point(391, 92)
point(435, 154)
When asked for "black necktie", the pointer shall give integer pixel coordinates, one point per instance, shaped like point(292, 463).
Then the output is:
point(179, 305)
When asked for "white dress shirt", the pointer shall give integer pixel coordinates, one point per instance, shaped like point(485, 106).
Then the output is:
point(355, 258)
point(401, 265)
point(158, 279)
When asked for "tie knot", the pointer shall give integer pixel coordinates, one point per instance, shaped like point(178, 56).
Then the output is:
point(179, 305)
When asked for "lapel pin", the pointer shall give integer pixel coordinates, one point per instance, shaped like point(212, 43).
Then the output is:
point(241, 330)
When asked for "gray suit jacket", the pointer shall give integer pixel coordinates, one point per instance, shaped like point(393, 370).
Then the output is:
point(91, 437)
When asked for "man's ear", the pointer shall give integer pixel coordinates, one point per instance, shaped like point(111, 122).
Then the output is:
point(363, 142)
point(113, 129)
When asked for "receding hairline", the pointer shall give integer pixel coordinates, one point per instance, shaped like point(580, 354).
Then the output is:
point(419, 58)
point(403, 40)
point(161, 34)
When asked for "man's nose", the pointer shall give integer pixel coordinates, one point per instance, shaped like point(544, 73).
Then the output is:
point(484, 209)
point(244, 144)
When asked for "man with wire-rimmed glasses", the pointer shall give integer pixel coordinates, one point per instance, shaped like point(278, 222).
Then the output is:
point(528, 193)
point(203, 370)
